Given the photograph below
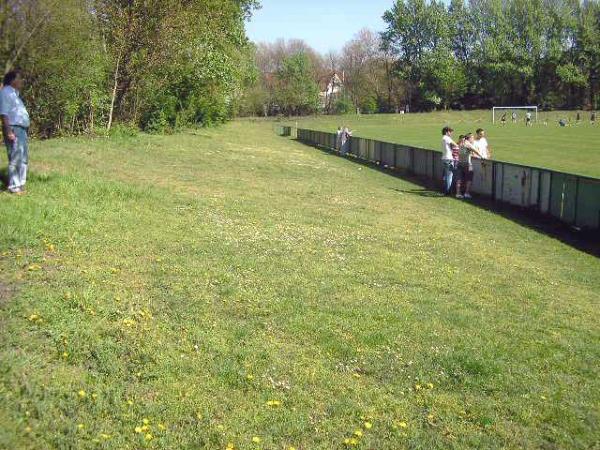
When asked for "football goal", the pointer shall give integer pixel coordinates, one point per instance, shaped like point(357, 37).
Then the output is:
point(511, 113)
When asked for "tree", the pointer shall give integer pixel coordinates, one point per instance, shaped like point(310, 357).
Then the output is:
point(297, 93)
point(363, 64)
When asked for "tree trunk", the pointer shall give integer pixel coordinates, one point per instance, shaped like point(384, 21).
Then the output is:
point(114, 94)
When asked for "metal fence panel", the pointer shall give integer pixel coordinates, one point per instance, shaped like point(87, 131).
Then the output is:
point(404, 157)
point(563, 194)
point(371, 150)
point(388, 155)
point(378, 155)
point(438, 167)
point(516, 186)
point(483, 177)
point(420, 162)
point(354, 144)
point(544, 188)
point(588, 203)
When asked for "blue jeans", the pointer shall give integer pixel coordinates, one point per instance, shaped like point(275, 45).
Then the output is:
point(18, 158)
point(449, 169)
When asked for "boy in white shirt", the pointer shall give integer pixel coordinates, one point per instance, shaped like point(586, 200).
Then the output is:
point(447, 159)
point(481, 144)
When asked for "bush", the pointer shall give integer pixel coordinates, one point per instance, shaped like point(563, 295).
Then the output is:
point(123, 130)
point(343, 106)
point(369, 106)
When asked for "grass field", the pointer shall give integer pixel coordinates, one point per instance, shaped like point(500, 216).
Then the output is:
point(228, 288)
point(574, 149)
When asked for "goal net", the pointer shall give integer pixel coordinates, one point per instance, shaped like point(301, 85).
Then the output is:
point(513, 113)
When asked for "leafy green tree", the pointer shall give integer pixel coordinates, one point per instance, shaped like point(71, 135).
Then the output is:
point(297, 93)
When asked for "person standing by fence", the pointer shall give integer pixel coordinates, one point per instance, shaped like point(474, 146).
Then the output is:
point(15, 125)
point(345, 141)
point(338, 139)
point(481, 144)
point(465, 166)
point(447, 160)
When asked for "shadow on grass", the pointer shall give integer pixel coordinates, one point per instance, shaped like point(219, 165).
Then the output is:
point(32, 176)
point(586, 241)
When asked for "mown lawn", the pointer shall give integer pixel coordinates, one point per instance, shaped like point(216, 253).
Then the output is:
point(574, 149)
point(230, 288)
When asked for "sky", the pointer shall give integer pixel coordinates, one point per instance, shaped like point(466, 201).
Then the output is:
point(324, 24)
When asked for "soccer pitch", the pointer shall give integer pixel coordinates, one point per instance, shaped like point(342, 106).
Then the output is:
point(232, 289)
point(574, 148)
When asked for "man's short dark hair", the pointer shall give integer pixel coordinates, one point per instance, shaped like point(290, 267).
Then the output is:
point(479, 130)
point(446, 130)
point(10, 77)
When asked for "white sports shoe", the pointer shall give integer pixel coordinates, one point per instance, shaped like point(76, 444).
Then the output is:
point(468, 196)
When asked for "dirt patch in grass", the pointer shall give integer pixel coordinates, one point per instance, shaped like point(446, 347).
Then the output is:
point(7, 291)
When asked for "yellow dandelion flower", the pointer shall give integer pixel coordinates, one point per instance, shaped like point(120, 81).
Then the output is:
point(27, 429)
point(65, 355)
point(105, 436)
point(368, 425)
point(162, 427)
point(146, 421)
point(148, 437)
point(220, 427)
point(402, 424)
point(273, 403)
point(34, 267)
point(430, 385)
point(34, 317)
point(130, 402)
point(256, 440)
point(291, 448)
point(198, 416)
point(82, 394)
point(351, 442)
point(138, 429)
point(230, 446)
point(430, 417)
point(417, 387)
point(356, 375)
point(358, 433)
point(250, 377)
point(145, 428)
point(94, 396)
point(80, 426)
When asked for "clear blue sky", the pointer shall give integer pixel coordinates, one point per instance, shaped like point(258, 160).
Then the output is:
point(323, 24)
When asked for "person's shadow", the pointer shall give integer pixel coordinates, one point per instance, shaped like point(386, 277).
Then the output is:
point(420, 192)
point(32, 177)
point(3, 179)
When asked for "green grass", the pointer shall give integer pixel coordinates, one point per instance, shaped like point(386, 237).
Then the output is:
point(191, 279)
point(572, 149)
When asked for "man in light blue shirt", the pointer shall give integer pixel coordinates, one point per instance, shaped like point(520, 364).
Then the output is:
point(15, 125)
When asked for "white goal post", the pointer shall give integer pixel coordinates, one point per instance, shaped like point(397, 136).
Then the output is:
point(512, 108)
